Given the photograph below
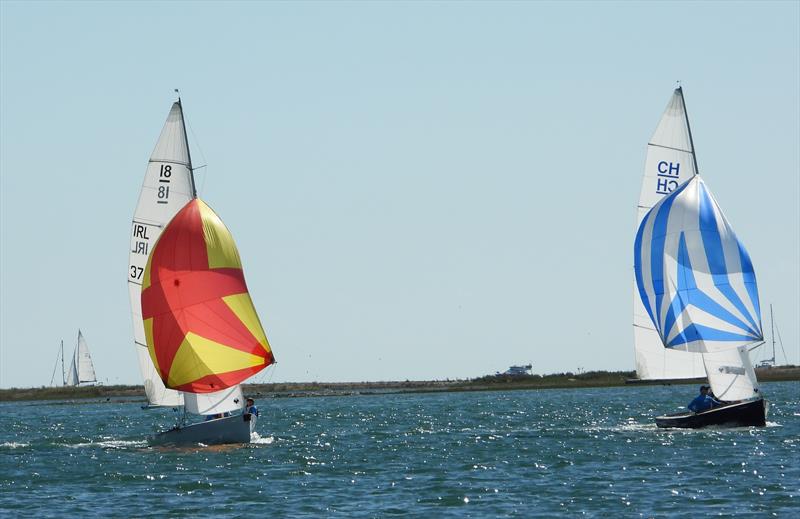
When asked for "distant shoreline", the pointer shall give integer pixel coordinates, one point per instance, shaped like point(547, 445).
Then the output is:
point(307, 389)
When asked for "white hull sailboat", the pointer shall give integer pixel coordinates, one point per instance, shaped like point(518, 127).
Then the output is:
point(697, 286)
point(196, 332)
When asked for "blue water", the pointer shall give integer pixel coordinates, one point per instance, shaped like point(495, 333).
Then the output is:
point(486, 454)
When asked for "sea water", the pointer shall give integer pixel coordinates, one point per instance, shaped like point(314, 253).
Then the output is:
point(473, 454)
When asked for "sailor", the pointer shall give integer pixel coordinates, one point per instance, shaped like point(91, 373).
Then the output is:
point(703, 401)
point(250, 407)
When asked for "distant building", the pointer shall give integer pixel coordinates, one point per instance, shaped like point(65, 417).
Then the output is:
point(515, 371)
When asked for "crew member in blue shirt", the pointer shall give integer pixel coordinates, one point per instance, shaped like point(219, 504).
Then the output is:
point(703, 401)
point(251, 408)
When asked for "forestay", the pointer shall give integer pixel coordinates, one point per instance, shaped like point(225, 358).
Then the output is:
point(168, 186)
point(670, 162)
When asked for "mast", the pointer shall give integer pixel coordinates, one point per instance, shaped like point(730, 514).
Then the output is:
point(186, 140)
point(772, 320)
point(688, 127)
point(76, 358)
point(63, 373)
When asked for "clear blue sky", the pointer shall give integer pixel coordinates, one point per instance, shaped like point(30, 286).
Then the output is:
point(418, 190)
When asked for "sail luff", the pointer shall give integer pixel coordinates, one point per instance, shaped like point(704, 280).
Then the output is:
point(188, 150)
point(689, 131)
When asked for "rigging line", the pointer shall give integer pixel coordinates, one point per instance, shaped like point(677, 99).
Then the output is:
point(780, 341)
point(55, 367)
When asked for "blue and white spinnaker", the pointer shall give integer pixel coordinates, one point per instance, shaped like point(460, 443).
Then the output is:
point(694, 277)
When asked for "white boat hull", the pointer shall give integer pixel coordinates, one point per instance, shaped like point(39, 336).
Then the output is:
point(231, 429)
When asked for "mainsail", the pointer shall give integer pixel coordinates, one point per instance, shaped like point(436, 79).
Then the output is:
point(81, 369)
point(168, 186)
point(203, 333)
point(698, 287)
point(670, 162)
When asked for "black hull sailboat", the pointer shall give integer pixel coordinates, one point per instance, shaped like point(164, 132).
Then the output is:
point(696, 285)
point(751, 413)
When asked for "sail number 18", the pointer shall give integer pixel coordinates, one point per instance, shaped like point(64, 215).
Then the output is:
point(164, 180)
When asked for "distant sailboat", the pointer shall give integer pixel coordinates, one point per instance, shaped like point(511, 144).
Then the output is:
point(697, 285)
point(195, 328)
point(670, 162)
point(81, 368)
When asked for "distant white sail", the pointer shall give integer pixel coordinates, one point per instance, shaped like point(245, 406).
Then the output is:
point(168, 186)
point(72, 373)
point(670, 162)
point(81, 369)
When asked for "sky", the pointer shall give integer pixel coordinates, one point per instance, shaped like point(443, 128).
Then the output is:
point(417, 190)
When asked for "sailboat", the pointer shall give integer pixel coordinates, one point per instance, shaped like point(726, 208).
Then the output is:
point(771, 362)
point(697, 285)
point(195, 328)
point(670, 162)
point(81, 368)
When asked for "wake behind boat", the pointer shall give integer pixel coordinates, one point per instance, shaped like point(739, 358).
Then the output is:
point(696, 283)
point(197, 333)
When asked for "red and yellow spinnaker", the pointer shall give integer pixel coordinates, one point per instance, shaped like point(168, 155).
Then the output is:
point(202, 330)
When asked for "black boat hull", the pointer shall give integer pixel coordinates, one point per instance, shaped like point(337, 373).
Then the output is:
point(752, 413)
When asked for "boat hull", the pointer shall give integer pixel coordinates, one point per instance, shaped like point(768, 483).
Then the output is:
point(231, 429)
point(752, 413)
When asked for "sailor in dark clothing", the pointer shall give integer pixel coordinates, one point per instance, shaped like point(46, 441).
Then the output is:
point(703, 401)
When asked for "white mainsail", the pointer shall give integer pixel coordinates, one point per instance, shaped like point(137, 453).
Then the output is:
point(698, 287)
point(168, 186)
point(670, 162)
point(81, 369)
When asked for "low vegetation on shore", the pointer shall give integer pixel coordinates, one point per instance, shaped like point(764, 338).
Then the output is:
point(296, 389)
